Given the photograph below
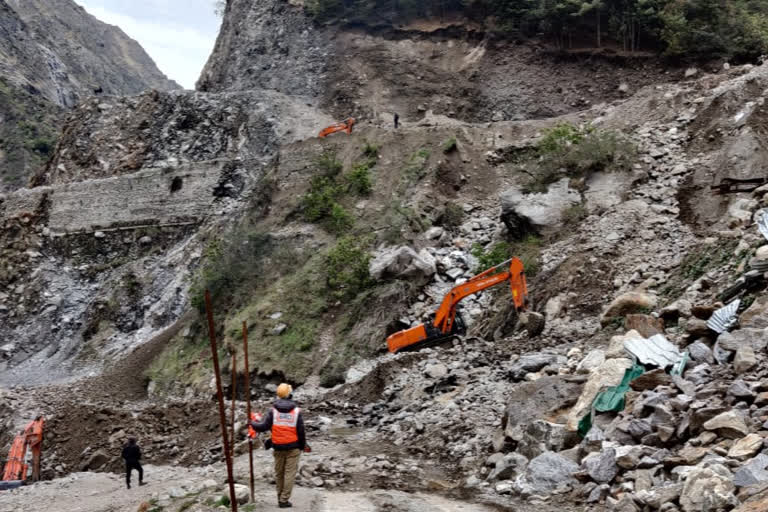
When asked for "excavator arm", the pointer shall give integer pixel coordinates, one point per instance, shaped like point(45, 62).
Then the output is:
point(445, 325)
point(446, 314)
point(31, 438)
point(344, 126)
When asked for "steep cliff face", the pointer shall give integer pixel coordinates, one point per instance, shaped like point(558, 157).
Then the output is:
point(55, 48)
point(372, 69)
point(53, 55)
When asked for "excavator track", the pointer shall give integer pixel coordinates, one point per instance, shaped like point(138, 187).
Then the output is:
point(429, 342)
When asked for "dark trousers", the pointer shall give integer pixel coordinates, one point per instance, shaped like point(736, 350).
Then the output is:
point(129, 465)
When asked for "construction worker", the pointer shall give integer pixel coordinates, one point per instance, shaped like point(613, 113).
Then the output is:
point(132, 456)
point(397, 120)
point(286, 423)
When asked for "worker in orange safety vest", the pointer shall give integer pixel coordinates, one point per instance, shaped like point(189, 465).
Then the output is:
point(286, 423)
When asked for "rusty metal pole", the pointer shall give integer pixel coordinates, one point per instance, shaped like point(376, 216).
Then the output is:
point(234, 397)
point(248, 402)
point(220, 395)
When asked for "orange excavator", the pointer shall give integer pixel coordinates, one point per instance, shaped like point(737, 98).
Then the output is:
point(448, 325)
point(17, 466)
point(344, 126)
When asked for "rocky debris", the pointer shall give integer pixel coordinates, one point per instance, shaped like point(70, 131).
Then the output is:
point(630, 302)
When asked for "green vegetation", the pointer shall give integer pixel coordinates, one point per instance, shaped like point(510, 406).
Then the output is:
point(698, 262)
point(400, 220)
point(416, 169)
point(347, 268)
point(688, 29)
point(322, 203)
point(527, 249)
point(487, 258)
point(451, 216)
point(578, 151)
point(231, 266)
point(371, 150)
point(359, 179)
point(450, 145)
point(574, 214)
point(28, 133)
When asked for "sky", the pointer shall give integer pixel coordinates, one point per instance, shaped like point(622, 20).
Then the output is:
point(178, 34)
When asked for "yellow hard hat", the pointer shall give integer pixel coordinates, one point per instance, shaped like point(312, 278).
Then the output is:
point(284, 390)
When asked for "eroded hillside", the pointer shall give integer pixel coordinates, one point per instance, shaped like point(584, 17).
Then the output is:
point(52, 56)
point(323, 247)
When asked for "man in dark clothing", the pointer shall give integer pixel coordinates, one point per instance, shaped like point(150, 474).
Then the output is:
point(397, 120)
point(286, 423)
point(132, 456)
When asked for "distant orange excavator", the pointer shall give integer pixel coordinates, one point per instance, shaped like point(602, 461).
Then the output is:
point(17, 466)
point(344, 126)
point(448, 325)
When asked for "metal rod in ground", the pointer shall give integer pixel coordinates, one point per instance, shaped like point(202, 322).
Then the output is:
point(220, 395)
point(234, 397)
point(248, 402)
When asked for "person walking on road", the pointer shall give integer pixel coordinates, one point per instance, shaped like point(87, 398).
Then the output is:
point(286, 423)
point(132, 456)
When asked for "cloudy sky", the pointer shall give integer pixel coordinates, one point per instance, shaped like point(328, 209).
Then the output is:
point(178, 34)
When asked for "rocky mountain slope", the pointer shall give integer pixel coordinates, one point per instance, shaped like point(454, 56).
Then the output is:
point(53, 54)
point(324, 246)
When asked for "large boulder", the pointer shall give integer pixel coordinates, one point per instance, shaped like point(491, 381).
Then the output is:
point(729, 424)
point(96, 460)
point(755, 471)
point(646, 325)
point(608, 374)
point(745, 360)
point(601, 467)
point(545, 473)
point(630, 302)
point(746, 447)
point(708, 488)
point(534, 362)
point(545, 398)
point(242, 494)
point(402, 262)
point(756, 339)
point(542, 436)
point(756, 315)
point(522, 212)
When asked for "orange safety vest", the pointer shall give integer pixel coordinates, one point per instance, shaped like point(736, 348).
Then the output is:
point(284, 426)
